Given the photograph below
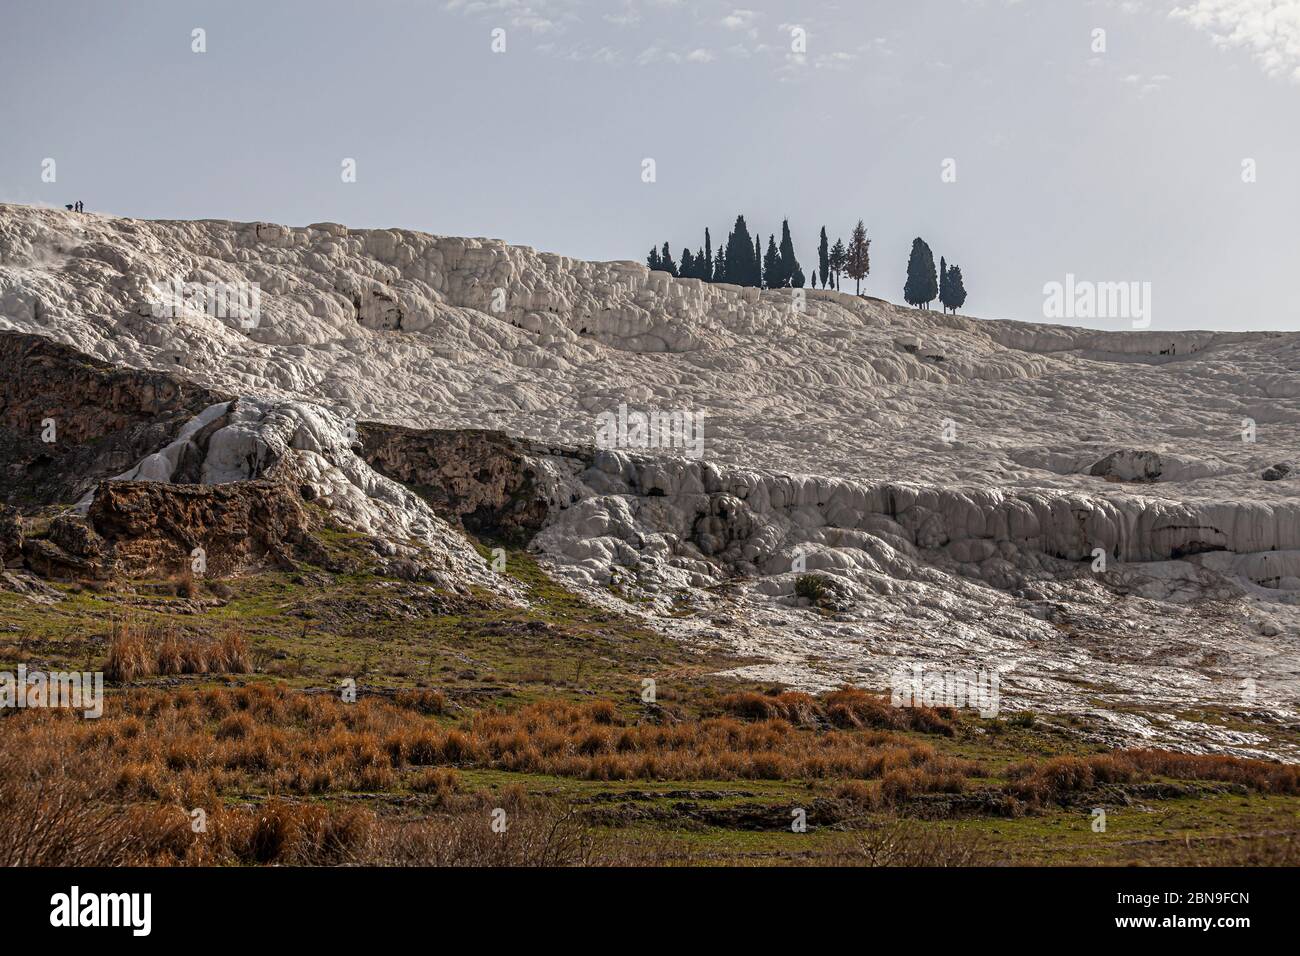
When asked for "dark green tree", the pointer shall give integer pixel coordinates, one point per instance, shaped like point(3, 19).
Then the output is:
point(653, 260)
point(687, 267)
point(706, 267)
point(756, 264)
point(788, 264)
point(857, 261)
point(944, 293)
point(838, 257)
point(823, 259)
point(667, 258)
point(720, 267)
point(797, 280)
point(956, 288)
point(922, 285)
point(772, 263)
point(739, 255)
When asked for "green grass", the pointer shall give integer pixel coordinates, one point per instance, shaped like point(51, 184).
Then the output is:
point(311, 628)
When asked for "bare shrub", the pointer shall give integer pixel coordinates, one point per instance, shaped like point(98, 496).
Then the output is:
point(896, 842)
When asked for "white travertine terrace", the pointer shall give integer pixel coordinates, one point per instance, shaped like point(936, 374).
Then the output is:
point(825, 437)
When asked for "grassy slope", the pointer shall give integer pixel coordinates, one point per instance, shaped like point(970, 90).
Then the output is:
point(309, 629)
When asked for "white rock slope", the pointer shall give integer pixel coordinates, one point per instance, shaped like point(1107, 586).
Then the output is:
point(960, 477)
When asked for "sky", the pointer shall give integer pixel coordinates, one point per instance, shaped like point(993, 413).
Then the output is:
point(1142, 141)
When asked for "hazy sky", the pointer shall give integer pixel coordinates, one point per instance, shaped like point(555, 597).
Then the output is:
point(1122, 165)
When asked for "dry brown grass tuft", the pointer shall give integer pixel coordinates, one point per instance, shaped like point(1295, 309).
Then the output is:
point(129, 654)
point(1057, 778)
point(440, 781)
point(1262, 776)
point(433, 702)
point(556, 737)
point(289, 743)
point(136, 652)
point(848, 708)
point(854, 707)
point(115, 791)
point(59, 808)
point(185, 584)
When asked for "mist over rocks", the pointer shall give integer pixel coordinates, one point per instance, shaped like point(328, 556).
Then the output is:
point(1101, 516)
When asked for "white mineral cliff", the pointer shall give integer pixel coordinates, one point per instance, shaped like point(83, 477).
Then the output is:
point(1112, 520)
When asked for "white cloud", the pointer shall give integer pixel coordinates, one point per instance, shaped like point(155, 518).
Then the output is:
point(533, 22)
point(742, 20)
point(1146, 84)
point(735, 33)
point(1268, 29)
point(834, 61)
point(629, 17)
point(536, 16)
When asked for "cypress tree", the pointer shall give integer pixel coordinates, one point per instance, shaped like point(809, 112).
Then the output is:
point(922, 286)
point(687, 268)
point(837, 259)
point(823, 259)
point(788, 265)
point(706, 269)
point(944, 292)
point(956, 288)
point(667, 257)
point(756, 264)
point(653, 260)
point(797, 280)
point(772, 263)
point(720, 267)
point(739, 255)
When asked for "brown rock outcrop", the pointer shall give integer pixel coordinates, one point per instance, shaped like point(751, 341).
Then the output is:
point(71, 549)
point(479, 479)
point(150, 527)
point(105, 418)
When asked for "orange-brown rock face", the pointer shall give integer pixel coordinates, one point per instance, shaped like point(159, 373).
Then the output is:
point(147, 528)
point(482, 480)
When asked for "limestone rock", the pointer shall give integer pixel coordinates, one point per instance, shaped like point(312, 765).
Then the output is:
point(1063, 504)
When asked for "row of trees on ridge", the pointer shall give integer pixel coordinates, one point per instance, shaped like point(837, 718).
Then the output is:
point(742, 261)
